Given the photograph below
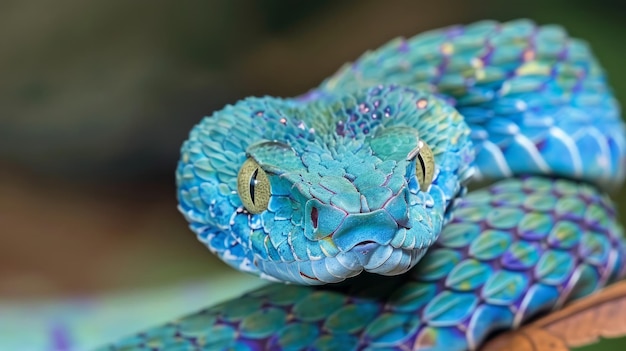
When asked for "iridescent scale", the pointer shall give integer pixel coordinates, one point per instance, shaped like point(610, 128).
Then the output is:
point(543, 122)
point(547, 241)
point(536, 100)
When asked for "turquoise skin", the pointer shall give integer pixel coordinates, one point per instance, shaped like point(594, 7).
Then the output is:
point(548, 241)
point(342, 202)
point(536, 110)
point(536, 100)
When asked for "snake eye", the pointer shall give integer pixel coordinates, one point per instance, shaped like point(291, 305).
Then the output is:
point(253, 187)
point(424, 166)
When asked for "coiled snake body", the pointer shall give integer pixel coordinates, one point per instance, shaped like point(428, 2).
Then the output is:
point(367, 172)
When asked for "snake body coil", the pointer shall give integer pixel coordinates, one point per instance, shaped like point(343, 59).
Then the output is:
point(367, 173)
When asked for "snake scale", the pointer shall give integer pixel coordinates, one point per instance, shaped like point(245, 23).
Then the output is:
point(365, 177)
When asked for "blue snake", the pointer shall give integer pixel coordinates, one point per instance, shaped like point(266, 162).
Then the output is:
point(368, 173)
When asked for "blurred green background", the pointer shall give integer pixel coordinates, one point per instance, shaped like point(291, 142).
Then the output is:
point(96, 98)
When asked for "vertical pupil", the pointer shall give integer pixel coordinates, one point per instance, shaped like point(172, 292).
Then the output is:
point(253, 183)
point(419, 158)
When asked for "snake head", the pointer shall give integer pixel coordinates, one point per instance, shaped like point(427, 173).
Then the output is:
point(315, 192)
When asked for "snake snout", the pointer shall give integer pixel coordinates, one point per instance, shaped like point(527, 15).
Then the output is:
point(362, 228)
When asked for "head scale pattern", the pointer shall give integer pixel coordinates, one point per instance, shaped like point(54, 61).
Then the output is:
point(344, 196)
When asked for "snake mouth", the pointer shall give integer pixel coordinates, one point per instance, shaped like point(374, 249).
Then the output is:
point(365, 247)
point(384, 259)
point(364, 252)
point(366, 256)
point(376, 227)
point(365, 243)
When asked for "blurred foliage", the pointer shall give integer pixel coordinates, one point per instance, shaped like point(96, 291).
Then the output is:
point(108, 89)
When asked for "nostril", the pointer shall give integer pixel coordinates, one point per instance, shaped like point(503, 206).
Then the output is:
point(314, 217)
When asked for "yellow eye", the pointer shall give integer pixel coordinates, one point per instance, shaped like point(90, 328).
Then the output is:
point(253, 187)
point(424, 166)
